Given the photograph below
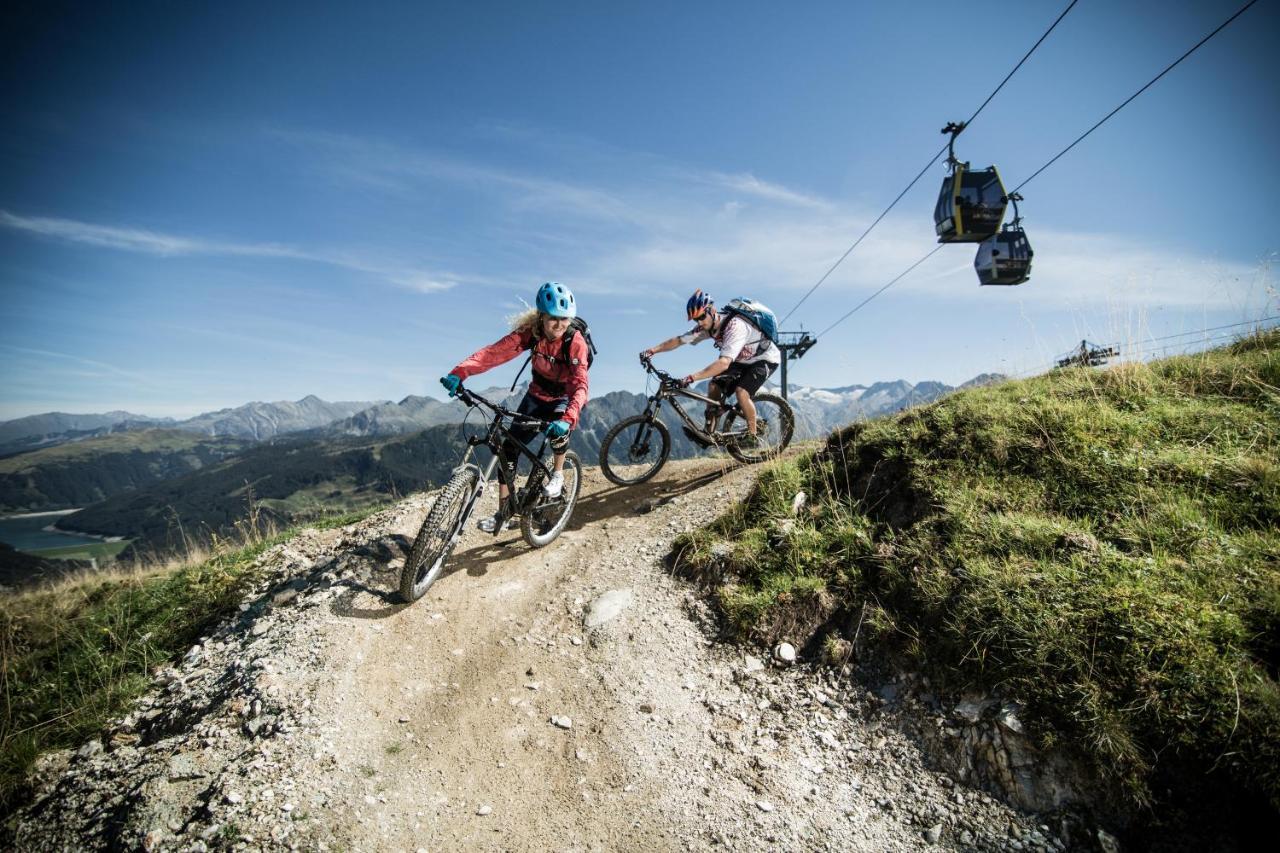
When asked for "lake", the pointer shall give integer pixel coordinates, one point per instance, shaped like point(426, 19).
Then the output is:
point(26, 533)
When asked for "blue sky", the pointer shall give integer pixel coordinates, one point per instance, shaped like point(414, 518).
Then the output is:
point(207, 205)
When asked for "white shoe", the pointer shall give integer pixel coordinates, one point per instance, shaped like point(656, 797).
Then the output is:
point(555, 485)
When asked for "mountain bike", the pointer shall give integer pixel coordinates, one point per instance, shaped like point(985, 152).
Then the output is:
point(542, 519)
point(637, 448)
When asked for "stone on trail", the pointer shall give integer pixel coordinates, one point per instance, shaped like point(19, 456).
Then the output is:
point(183, 767)
point(753, 664)
point(90, 749)
point(484, 810)
point(607, 606)
point(764, 806)
point(933, 833)
point(562, 722)
point(785, 652)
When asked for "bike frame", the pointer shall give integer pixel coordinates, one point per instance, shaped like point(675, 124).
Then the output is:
point(493, 439)
point(668, 393)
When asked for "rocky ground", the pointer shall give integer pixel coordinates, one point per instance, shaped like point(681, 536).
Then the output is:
point(569, 698)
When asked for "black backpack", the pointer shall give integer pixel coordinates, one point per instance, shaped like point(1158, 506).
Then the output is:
point(576, 325)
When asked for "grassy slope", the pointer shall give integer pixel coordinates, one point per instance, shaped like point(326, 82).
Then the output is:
point(1103, 545)
point(75, 654)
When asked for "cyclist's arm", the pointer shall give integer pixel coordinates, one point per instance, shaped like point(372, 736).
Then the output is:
point(715, 368)
point(576, 384)
point(499, 352)
point(666, 346)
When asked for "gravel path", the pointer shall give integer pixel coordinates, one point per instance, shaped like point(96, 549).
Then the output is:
point(569, 698)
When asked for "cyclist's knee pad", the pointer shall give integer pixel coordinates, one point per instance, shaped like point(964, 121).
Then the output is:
point(558, 445)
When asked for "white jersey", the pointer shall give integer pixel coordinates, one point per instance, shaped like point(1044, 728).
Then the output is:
point(738, 340)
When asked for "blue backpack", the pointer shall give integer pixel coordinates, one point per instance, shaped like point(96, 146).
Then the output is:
point(755, 313)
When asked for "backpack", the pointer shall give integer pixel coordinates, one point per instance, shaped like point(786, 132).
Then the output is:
point(576, 325)
point(755, 313)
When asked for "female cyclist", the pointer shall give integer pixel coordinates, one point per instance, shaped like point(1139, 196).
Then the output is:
point(557, 392)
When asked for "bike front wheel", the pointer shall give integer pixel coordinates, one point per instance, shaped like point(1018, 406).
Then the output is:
point(438, 535)
point(634, 450)
point(775, 425)
point(545, 518)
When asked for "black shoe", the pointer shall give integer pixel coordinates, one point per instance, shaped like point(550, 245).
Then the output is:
point(697, 439)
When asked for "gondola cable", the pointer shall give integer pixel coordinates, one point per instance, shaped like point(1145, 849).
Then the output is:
point(1220, 27)
point(1152, 82)
point(932, 160)
point(936, 249)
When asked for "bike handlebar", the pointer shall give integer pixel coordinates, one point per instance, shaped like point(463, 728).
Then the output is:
point(663, 376)
point(471, 398)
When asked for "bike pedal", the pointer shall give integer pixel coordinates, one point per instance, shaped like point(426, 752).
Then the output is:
point(695, 438)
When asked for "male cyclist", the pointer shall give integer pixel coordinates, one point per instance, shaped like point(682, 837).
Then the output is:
point(557, 392)
point(747, 358)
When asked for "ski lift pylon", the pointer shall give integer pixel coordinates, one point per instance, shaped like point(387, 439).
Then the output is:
point(971, 203)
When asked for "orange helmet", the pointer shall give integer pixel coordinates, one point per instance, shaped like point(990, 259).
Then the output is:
point(700, 303)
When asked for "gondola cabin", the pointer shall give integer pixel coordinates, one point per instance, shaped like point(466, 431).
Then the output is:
point(970, 206)
point(1004, 258)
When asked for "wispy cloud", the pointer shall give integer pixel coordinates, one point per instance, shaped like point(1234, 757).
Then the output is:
point(150, 242)
point(722, 230)
point(749, 184)
point(380, 163)
point(84, 367)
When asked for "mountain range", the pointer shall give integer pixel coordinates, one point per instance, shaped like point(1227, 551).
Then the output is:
point(153, 479)
point(252, 421)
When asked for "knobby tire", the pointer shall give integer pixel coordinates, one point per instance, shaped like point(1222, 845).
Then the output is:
point(535, 518)
point(628, 431)
point(436, 537)
point(782, 426)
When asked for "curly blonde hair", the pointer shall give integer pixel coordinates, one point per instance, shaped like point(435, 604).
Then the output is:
point(530, 319)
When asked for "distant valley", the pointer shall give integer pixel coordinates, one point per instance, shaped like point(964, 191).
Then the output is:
point(162, 482)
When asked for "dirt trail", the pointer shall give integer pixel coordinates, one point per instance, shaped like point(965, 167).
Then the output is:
point(488, 716)
point(445, 707)
point(439, 725)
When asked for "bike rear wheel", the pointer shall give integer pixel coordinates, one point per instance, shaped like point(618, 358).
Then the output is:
point(634, 450)
point(775, 425)
point(545, 518)
point(437, 535)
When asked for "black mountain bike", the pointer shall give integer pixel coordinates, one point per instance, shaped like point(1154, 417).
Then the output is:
point(638, 447)
point(541, 518)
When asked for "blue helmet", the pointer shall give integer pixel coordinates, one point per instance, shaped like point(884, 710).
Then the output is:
point(699, 304)
point(556, 300)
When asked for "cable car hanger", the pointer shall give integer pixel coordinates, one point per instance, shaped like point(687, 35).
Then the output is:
point(972, 202)
point(1005, 257)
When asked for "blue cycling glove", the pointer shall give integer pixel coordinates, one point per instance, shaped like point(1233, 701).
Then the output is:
point(451, 384)
point(558, 429)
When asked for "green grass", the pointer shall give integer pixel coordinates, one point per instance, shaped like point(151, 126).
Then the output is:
point(77, 653)
point(1102, 545)
point(133, 441)
point(87, 551)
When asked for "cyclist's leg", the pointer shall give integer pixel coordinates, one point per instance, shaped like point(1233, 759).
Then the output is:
point(749, 383)
point(547, 410)
point(520, 434)
point(554, 411)
point(720, 389)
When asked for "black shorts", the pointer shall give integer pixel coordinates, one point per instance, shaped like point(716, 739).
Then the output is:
point(549, 410)
point(748, 377)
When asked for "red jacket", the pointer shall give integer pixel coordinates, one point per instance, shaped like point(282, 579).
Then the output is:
point(548, 364)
